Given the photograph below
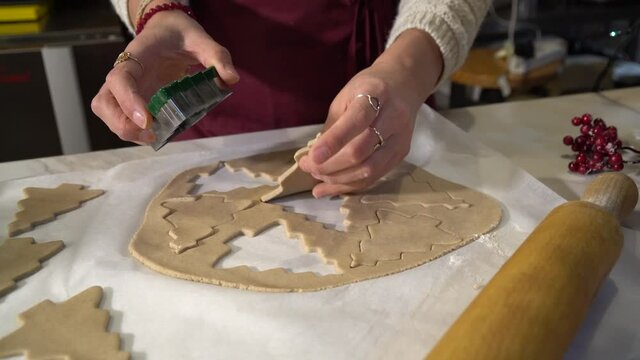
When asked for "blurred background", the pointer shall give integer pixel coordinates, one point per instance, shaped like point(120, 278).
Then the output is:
point(54, 56)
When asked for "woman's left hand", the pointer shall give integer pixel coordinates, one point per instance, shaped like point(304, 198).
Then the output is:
point(370, 122)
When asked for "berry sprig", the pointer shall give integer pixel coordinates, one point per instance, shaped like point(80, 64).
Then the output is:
point(597, 147)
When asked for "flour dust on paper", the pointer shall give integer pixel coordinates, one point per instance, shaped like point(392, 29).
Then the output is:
point(405, 220)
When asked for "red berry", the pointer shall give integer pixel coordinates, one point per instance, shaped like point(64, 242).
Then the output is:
point(576, 121)
point(581, 139)
point(610, 136)
point(576, 147)
point(567, 140)
point(585, 129)
point(589, 143)
point(598, 122)
point(615, 158)
point(573, 167)
point(598, 130)
point(597, 167)
point(600, 140)
point(597, 157)
point(586, 117)
point(618, 144)
point(581, 158)
point(617, 167)
point(582, 169)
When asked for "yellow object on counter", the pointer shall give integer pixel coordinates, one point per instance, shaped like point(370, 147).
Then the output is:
point(22, 27)
point(27, 12)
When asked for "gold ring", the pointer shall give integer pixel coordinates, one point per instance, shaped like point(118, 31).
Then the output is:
point(373, 101)
point(124, 56)
point(380, 138)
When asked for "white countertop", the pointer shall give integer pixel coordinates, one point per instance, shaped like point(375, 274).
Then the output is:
point(530, 134)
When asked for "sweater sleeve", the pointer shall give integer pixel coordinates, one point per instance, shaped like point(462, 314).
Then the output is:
point(453, 24)
point(122, 9)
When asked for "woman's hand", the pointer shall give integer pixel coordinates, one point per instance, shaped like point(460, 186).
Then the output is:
point(169, 45)
point(347, 157)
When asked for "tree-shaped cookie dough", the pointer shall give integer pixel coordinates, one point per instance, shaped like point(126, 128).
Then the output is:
point(397, 234)
point(74, 329)
point(42, 205)
point(21, 257)
point(194, 218)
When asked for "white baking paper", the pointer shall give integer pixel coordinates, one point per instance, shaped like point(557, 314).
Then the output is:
point(399, 316)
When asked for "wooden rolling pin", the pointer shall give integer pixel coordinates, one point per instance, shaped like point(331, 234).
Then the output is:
point(533, 306)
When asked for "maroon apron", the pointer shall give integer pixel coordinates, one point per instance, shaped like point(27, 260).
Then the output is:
point(293, 57)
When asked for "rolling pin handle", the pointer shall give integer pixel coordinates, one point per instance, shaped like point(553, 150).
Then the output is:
point(615, 192)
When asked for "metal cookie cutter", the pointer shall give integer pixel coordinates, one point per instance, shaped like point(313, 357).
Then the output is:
point(179, 105)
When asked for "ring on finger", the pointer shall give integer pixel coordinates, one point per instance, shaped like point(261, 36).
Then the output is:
point(124, 56)
point(373, 101)
point(380, 142)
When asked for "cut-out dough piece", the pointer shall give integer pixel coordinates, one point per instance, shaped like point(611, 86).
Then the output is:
point(42, 205)
point(294, 180)
point(242, 193)
point(269, 166)
point(21, 257)
point(194, 218)
point(406, 190)
point(74, 329)
point(396, 234)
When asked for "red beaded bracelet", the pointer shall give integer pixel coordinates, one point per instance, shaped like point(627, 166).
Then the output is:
point(163, 7)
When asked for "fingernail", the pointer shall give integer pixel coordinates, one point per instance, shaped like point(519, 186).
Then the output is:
point(232, 72)
point(317, 176)
point(139, 119)
point(320, 154)
point(303, 163)
point(316, 194)
point(147, 136)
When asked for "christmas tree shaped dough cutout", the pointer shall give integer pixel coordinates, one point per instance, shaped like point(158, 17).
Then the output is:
point(42, 205)
point(21, 257)
point(74, 329)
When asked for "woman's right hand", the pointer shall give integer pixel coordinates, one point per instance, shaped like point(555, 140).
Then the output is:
point(169, 45)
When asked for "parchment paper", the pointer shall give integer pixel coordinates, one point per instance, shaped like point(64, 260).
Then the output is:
point(399, 316)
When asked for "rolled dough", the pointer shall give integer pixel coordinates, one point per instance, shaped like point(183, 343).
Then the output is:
point(408, 218)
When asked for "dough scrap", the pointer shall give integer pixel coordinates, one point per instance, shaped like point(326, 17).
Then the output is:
point(387, 231)
point(293, 180)
point(74, 329)
point(42, 205)
point(21, 257)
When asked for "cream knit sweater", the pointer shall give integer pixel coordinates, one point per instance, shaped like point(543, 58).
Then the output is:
point(453, 24)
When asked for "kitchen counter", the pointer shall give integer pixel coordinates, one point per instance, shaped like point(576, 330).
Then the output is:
point(530, 134)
